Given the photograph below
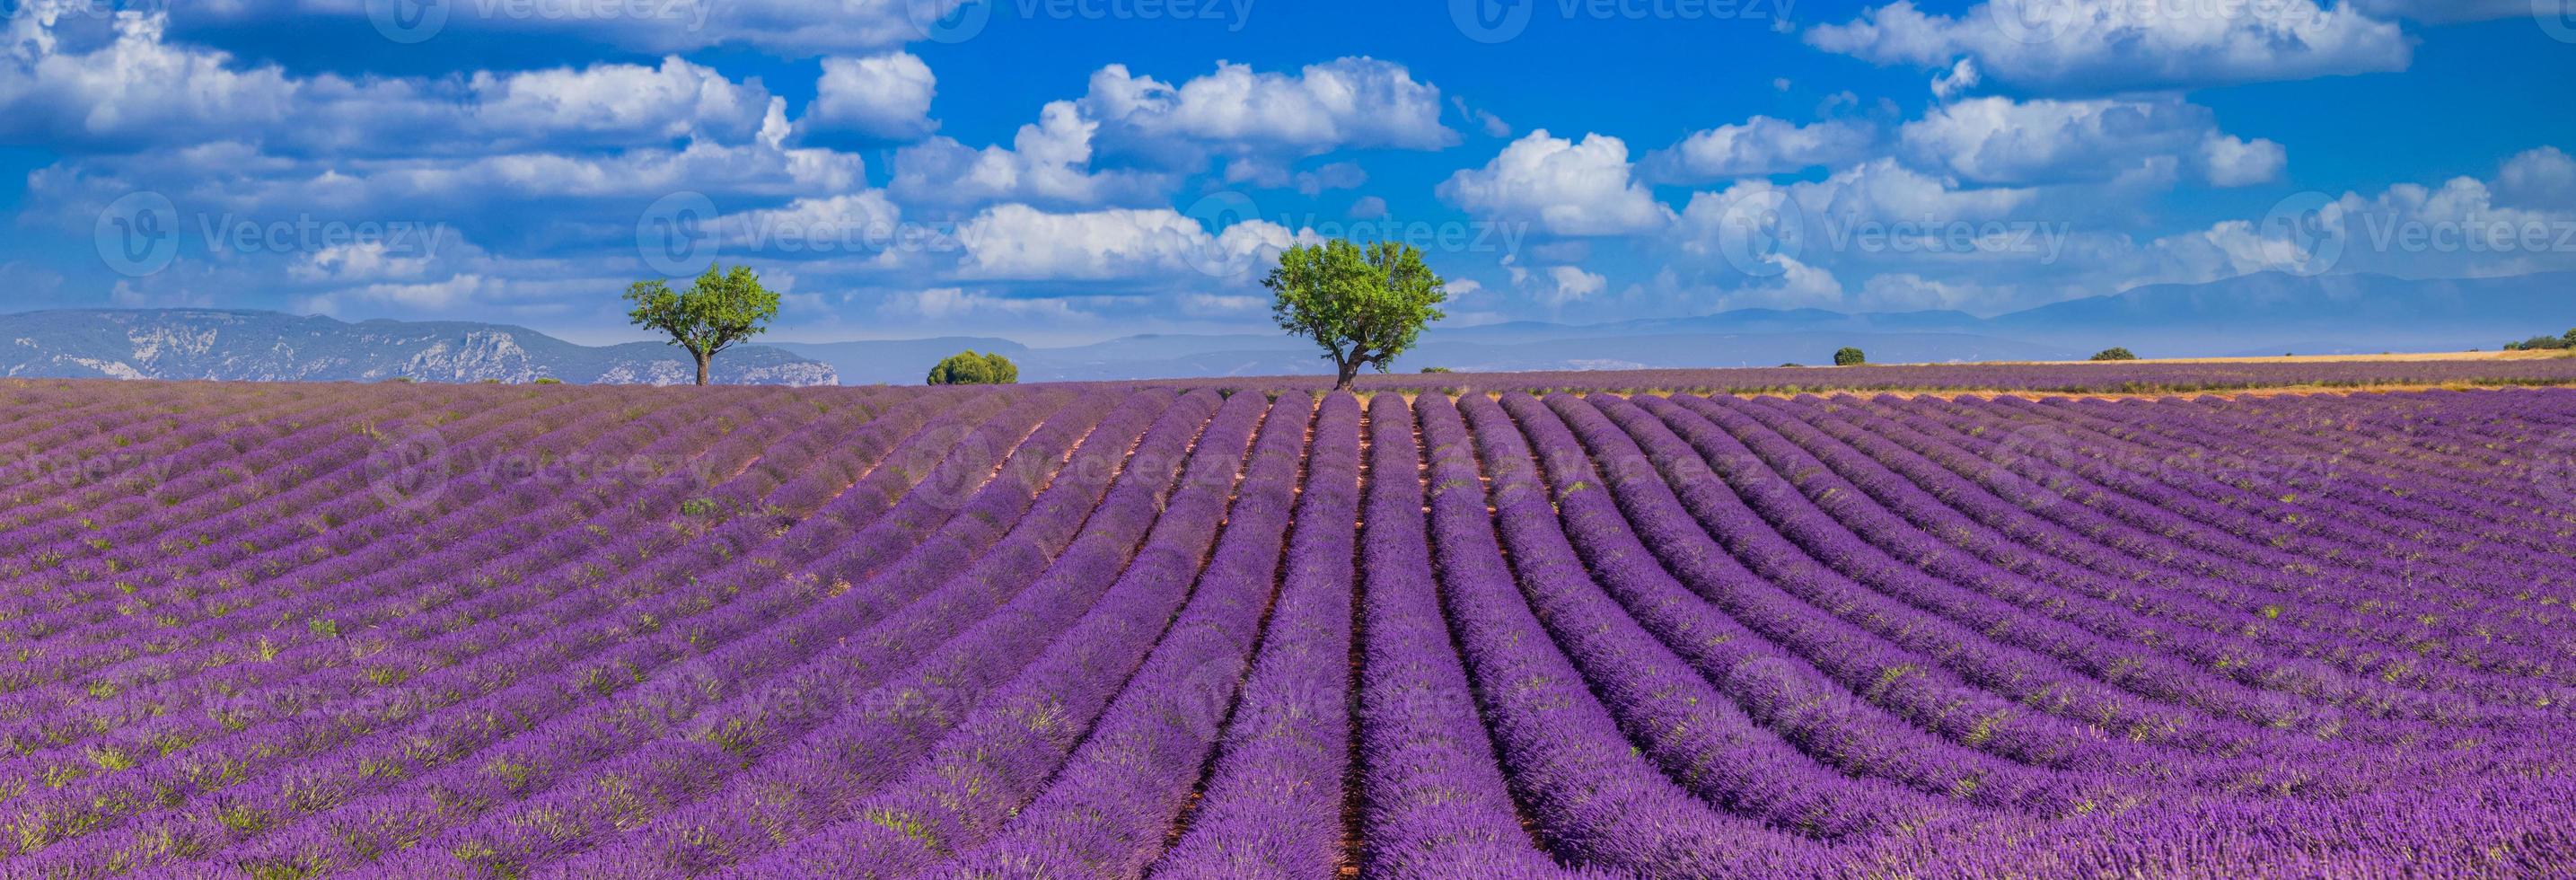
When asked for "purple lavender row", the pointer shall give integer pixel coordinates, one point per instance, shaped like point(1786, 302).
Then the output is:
point(135, 435)
point(813, 745)
point(1433, 795)
point(220, 502)
point(2250, 509)
point(204, 758)
point(2261, 564)
point(557, 767)
point(2307, 744)
point(420, 746)
point(2423, 518)
point(2393, 536)
point(1139, 762)
point(225, 508)
point(117, 667)
point(2123, 554)
point(57, 557)
point(1596, 801)
point(63, 462)
point(2107, 600)
point(1777, 688)
point(1695, 731)
point(202, 762)
point(2289, 586)
point(2436, 446)
point(1964, 593)
point(2325, 736)
point(2063, 724)
point(995, 756)
point(136, 673)
point(1274, 803)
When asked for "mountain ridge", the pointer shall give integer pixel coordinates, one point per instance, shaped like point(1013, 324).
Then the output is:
point(251, 345)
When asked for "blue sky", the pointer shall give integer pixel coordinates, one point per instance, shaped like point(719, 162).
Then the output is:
point(1071, 170)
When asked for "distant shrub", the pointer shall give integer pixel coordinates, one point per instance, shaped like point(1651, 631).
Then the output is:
point(1437, 370)
point(2540, 343)
point(1850, 357)
point(1792, 365)
point(549, 380)
point(2114, 353)
point(969, 368)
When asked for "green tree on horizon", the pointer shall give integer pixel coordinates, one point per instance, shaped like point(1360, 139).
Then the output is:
point(970, 368)
point(1363, 304)
point(720, 310)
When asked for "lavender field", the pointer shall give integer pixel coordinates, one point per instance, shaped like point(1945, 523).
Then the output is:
point(283, 631)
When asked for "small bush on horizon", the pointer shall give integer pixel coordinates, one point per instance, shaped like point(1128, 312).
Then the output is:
point(1850, 357)
point(970, 368)
point(1437, 370)
point(2114, 353)
point(548, 380)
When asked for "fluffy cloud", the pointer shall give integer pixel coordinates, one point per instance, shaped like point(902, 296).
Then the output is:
point(785, 27)
point(2461, 228)
point(137, 90)
point(1349, 102)
point(1568, 188)
point(1759, 146)
point(2538, 178)
point(885, 96)
point(2110, 45)
point(1048, 162)
point(1996, 140)
point(1018, 242)
point(952, 303)
point(1567, 284)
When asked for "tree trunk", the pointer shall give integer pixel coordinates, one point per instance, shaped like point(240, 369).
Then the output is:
point(703, 358)
point(1350, 375)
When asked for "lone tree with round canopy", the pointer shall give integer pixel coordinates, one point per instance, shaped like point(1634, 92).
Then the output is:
point(1363, 304)
point(720, 310)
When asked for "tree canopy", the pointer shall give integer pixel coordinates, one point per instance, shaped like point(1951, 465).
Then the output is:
point(969, 368)
point(1850, 357)
point(2114, 353)
point(1363, 304)
point(720, 310)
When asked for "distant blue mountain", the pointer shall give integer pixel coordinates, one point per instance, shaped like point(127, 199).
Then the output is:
point(2258, 314)
point(268, 346)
